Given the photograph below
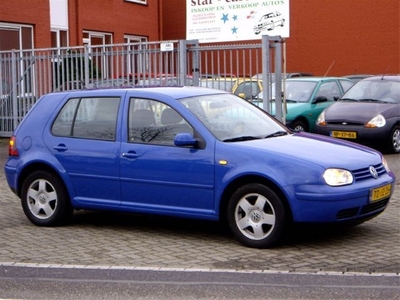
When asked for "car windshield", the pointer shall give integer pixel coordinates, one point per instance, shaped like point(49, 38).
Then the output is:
point(374, 90)
point(296, 91)
point(299, 91)
point(230, 118)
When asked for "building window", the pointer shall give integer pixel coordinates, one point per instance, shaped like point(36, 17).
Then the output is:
point(137, 1)
point(14, 36)
point(136, 60)
point(135, 39)
point(59, 38)
point(99, 47)
point(93, 38)
point(19, 38)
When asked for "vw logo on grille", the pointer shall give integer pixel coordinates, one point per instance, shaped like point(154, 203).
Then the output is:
point(373, 172)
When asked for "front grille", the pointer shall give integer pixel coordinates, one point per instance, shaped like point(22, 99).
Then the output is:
point(347, 213)
point(374, 206)
point(348, 123)
point(364, 174)
point(366, 209)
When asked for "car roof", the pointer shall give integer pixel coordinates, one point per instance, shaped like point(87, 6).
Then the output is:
point(176, 92)
point(383, 77)
point(314, 78)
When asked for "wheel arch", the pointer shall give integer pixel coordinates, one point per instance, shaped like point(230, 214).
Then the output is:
point(391, 131)
point(302, 119)
point(38, 166)
point(395, 124)
point(238, 182)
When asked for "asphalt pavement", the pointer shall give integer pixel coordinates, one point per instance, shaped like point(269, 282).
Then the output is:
point(138, 242)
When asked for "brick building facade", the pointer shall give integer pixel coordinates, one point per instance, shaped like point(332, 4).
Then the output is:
point(337, 37)
point(86, 21)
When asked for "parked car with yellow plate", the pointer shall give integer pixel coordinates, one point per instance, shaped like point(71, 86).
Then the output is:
point(369, 113)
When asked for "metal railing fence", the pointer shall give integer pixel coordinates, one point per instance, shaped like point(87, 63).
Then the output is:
point(26, 75)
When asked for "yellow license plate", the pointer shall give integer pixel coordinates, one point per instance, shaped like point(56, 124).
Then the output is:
point(344, 134)
point(381, 193)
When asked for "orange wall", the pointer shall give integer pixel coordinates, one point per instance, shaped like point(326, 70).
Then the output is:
point(352, 36)
point(359, 36)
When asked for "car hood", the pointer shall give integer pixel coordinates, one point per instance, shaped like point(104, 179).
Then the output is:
point(322, 150)
point(359, 112)
point(290, 106)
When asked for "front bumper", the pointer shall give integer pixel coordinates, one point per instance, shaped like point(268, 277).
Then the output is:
point(365, 136)
point(340, 204)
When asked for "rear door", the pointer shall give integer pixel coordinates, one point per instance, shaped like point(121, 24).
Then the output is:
point(83, 138)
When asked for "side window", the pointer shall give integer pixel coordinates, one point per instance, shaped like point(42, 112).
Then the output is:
point(346, 85)
point(88, 118)
point(154, 122)
point(330, 90)
point(249, 88)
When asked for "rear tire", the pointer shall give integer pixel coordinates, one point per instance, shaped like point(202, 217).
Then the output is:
point(256, 216)
point(45, 200)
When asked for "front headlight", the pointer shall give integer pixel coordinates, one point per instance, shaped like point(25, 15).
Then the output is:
point(337, 177)
point(385, 164)
point(377, 121)
point(321, 119)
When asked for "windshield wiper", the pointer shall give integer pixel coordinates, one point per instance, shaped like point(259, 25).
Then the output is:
point(275, 134)
point(371, 100)
point(349, 99)
point(242, 138)
point(291, 101)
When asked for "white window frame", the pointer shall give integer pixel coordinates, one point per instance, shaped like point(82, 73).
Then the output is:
point(21, 66)
point(144, 2)
point(135, 39)
point(18, 27)
point(87, 41)
point(97, 34)
point(58, 36)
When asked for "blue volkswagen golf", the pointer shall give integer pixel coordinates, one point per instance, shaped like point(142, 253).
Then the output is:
point(188, 152)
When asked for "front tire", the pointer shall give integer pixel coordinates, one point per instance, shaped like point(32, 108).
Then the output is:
point(256, 216)
point(394, 140)
point(299, 125)
point(44, 200)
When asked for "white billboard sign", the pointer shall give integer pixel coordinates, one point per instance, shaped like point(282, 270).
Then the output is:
point(212, 21)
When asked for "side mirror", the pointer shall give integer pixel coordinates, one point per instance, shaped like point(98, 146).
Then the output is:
point(184, 140)
point(320, 99)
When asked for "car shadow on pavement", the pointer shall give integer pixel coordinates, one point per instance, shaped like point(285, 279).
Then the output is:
point(208, 230)
point(155, 223)
point(321, 233)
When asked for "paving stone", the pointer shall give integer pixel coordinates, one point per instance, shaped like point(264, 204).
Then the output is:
point(123, 241)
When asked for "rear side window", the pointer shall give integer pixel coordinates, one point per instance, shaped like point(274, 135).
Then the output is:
point(88, 118)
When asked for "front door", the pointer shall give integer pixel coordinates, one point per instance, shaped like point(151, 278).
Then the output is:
point(156, 175)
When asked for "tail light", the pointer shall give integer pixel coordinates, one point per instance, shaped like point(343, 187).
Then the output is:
point(12, 147)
